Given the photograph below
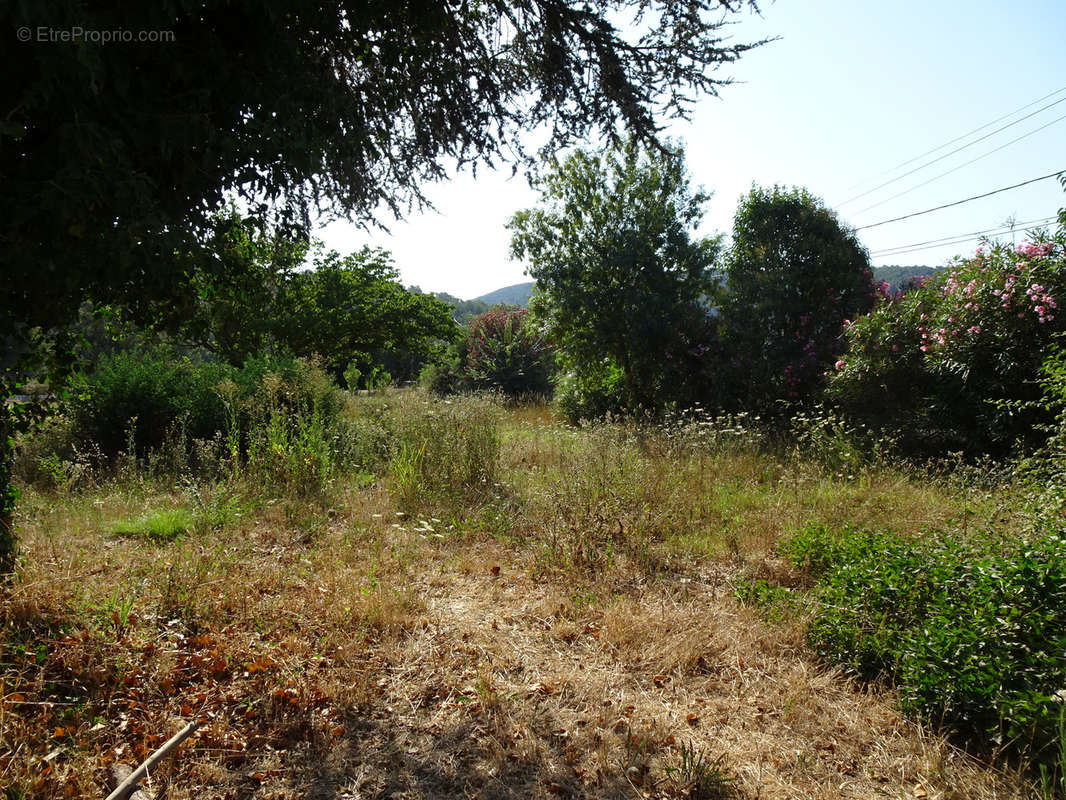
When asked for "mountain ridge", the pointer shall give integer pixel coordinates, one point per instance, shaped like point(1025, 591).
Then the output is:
point(518, 294)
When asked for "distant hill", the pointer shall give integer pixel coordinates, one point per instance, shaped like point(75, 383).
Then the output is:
point(517, 295)
point(896, 275)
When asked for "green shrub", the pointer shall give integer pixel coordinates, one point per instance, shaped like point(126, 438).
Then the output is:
point(443, 375)
point(590, 394)
point(281, 415)
point(973, 634)
point(138, 396)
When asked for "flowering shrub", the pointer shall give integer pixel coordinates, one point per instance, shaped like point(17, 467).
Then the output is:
point(955, 364)
point(501, 351)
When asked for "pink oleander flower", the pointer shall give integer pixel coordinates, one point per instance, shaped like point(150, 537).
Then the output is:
point(840, 365)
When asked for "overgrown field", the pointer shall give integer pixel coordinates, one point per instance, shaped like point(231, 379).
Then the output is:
point(403, 597)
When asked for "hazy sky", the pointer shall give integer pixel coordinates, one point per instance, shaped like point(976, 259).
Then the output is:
point(851, 90)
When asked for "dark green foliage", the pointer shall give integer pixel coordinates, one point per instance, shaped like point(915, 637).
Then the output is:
point(621, 279)
point(974, 634)
point(793, 276)
point(150, 396)
point(776, 602)
point(138, 397)
point(591, 393)
point(240, 293)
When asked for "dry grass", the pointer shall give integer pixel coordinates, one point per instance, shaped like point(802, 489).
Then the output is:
point(573, 636)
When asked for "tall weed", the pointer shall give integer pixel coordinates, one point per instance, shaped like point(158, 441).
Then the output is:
point(447, 454)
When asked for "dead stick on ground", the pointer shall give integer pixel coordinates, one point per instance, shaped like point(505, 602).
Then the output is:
point(127, 785)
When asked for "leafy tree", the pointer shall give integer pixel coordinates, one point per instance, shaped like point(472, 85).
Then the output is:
point(236, 315)
point(794, 276)
point(114, 156)
point(621, 278)
point(353, 310)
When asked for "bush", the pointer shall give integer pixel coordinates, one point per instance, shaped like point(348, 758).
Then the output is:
point(973, 634)
point(591, 394)
point(505, 352)
point(501, 351)
point(955, 364)
point(138, 396)
point(150, 397)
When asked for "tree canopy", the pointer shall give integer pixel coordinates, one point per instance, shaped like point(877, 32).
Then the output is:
point(620, 275)
point(794, 275)
point(115, 155)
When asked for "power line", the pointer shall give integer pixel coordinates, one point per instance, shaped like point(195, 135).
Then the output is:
point(956, 150)
point(960, 202)
point(944, 244)
point(957, 139)
point(960, 166)
point(1018, 226)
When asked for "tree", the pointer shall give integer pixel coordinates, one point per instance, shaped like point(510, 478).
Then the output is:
point(794, 276)
point(620, 277)
point(348, 310)
point(115, 155)
point(352, 311)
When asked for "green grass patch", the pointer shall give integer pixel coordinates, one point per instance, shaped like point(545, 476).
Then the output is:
point(157, 526)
